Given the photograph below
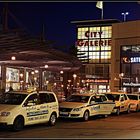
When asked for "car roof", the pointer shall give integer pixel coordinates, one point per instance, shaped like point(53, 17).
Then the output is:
point(86, 94)
point(28, 92)
point(114, 93)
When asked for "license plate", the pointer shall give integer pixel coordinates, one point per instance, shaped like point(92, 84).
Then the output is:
point(64, 113)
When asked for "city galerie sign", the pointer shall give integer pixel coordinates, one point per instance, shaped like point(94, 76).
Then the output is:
point(91, 35)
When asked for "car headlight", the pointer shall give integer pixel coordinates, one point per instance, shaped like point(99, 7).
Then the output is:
point(77, 109)
point(4, 114)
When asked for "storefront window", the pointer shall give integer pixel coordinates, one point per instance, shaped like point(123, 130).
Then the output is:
point(12, 75)
point(130, 66)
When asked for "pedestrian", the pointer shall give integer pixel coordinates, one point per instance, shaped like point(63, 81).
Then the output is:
point(10, 88)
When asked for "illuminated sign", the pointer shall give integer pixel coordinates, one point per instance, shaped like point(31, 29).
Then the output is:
point(97, 42)
point(131, 60)
point(96, 81)
point(131, 84)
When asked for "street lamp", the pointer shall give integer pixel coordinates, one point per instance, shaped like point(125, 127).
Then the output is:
point(124, 15)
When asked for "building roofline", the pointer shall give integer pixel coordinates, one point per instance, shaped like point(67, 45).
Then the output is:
point(96, 21)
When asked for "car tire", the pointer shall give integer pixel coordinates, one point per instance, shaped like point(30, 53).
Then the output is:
point(86, 115)
point(18, 124)
point(52, 120)
point(118, 112)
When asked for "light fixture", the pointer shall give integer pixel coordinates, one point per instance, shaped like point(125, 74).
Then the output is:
point(124, 15)
point(35, 78)
point(69, 81)
point(74, 75)
point(13, 58)
point(46, 66)
point(32, 72)
point(21, 74)
point(61, 72)
point(36, 71)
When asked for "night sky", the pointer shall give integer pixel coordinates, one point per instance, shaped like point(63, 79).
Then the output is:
point(57, 17)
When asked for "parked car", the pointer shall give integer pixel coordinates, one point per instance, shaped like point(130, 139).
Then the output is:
point(122, 102)
point(18, 109)
point(85, 105)
point(134, 102)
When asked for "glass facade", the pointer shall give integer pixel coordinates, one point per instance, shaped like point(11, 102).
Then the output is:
point(94, 50)
point(130, 66)
point(94, 44)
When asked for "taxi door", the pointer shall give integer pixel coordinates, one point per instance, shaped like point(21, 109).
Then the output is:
point(93, 107)
point(122, 103)
point(32, 110)
point(106, 106)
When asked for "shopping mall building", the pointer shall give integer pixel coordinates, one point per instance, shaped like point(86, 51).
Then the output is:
point(110, 52)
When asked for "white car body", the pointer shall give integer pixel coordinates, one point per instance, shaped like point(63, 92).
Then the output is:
point(31, 111)
point(77, 109)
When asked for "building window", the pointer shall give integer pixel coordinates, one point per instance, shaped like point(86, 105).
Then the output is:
point(95, 44)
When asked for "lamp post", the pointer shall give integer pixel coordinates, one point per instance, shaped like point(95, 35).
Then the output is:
point(124, 15)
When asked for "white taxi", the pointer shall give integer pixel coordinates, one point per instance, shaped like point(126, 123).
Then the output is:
point(18, 109)
point(85, 105)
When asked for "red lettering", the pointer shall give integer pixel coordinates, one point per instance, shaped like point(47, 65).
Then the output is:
point(91, 43)
point(94, 34)
point(109, 42)
point(100, 33)
point(96, 43)
point(101, 43)
point(86, 43)
point(87, 34)
point(80, 43)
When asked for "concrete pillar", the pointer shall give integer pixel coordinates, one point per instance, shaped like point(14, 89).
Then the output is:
point(40, 79)
point(3, 77)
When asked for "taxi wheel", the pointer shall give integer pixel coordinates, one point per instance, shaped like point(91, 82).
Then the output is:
point(86, 116)
point(53, 119)
point(118, 112)
point(18, 124)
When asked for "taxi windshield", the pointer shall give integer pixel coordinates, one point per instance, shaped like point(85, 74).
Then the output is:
point(12, 98)
point(133, 97)
point(78, 98)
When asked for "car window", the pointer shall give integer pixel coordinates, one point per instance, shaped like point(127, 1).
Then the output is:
point(92, 99)
point(114, 97)
point(32, 99)
point(125, 97)
point(122, 98)
point(12, 98)
point(98, 99)
point(46, 98)
point(78, 98)
point(133, 97)
point(103, 98)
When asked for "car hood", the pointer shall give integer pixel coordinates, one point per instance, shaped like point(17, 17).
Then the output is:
point(72, 104)
point(4, 107)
